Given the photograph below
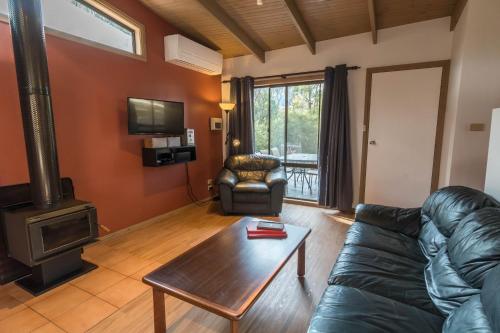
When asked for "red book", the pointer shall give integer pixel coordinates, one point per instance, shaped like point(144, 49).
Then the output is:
point(253, 232)
point(269, 235)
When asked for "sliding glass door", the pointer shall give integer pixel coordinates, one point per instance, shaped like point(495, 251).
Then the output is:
point(286, 122)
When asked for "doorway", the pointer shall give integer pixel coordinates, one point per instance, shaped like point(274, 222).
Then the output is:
point(286, 125)
point(402, 141)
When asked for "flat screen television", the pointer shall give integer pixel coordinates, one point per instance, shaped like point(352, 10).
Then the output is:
point(146, 116)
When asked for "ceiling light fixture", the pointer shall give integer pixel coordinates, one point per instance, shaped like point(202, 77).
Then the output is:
point(260, 2)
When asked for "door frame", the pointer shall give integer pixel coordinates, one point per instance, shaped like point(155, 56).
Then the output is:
point(438, 144)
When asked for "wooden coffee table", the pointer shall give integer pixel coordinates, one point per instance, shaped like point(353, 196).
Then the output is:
point(226, 273)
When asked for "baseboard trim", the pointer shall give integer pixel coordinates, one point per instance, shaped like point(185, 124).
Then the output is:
point(150, 221)
point(300, 202)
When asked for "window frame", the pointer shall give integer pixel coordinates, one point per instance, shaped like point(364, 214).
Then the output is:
point(286, 85)
point(114, 14)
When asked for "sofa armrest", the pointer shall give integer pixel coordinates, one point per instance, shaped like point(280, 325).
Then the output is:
point(275, 176)
point(227, 177)
point(402, 220)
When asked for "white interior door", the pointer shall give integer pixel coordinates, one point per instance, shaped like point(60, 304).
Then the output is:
point(402, 133)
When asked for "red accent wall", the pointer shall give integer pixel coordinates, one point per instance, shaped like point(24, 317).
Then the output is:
point(89, 90)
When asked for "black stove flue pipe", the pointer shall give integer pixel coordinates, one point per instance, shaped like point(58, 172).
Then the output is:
point(28, 39)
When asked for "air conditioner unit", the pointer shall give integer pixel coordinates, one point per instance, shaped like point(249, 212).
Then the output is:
point(184, 52)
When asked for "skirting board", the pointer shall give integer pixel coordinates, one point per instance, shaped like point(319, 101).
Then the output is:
point(301, 202)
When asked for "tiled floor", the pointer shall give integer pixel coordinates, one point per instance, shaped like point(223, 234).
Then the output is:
point(82, 303)
point(112, 298)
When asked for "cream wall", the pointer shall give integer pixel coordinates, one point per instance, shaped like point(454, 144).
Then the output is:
point(419, 42)
point(453, 97)
point(474, 91)
point(492, 184)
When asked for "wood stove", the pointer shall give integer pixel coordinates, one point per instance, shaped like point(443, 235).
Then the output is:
point(47, 235)
point(50, 241)
point(41, 234)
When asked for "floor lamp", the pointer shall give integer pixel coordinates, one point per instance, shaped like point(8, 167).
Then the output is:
point(227, 107)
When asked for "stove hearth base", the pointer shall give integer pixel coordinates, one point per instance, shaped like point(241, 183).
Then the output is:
point(56, 272)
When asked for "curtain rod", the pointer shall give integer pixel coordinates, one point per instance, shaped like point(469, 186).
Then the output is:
point(284, 76)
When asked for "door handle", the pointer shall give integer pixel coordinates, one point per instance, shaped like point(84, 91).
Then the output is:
point(373, 142)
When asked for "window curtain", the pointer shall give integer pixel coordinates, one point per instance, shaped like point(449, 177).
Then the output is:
point(335, 165)
point(241, 118)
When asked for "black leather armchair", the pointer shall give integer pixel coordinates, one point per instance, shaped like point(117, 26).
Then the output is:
point(252, 184)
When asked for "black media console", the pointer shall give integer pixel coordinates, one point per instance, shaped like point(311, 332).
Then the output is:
point(155, 157)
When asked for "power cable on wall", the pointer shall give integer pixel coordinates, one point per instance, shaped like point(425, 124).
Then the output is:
point(190, 193)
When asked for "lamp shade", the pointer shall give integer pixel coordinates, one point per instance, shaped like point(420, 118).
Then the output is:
point(227, 106)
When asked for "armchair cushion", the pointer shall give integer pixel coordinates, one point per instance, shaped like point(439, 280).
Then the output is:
point(245, 175)
point(276, 176)
point(252, 162)
point(251, 186)
point(227, 177)
point(251, 167)
point(402, 220)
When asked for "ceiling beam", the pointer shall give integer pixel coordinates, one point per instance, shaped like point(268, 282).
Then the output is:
point(301, 25)
point(457, 12)
point(220, 14)
point(373, 20)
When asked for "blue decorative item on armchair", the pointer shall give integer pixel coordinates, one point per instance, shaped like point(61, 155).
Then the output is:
point(252, 184)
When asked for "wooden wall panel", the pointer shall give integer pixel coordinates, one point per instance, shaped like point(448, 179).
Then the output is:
point(391, 13)
point(332, 19)
point(270, 25)
point(194, 20)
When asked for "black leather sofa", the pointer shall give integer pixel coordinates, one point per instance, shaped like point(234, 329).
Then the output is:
point(434, 269)
point(252, 184)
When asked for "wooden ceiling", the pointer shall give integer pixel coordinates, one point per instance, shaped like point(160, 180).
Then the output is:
point(240, 27)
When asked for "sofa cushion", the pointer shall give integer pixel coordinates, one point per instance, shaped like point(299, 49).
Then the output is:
point(448, 206)
point(469, 317)
point(490, 298)
point(375, 237)
point(382, 273)
point(431, 240)
point(345, 309)
point(474, 247)
point(446, 287)
point(406, 221)
point(445, 209)
point(251, 186)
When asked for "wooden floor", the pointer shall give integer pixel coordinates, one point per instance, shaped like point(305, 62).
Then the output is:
point(113, 298)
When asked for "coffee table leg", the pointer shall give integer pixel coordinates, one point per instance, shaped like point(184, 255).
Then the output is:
point(301, 267)
point(234, 326)
point(159, 311)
